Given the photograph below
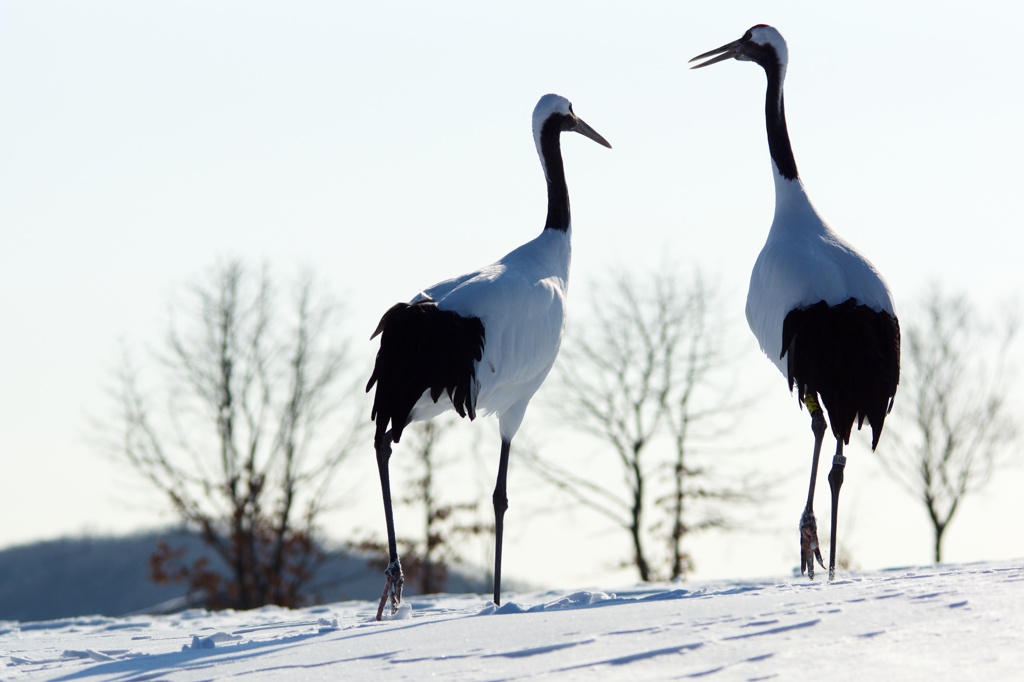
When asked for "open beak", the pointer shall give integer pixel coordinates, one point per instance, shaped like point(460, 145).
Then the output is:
point(583, 129)
point(719, 54)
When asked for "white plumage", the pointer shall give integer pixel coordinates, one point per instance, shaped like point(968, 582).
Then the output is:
point(521, 302)
point(485, 340)
point(804, 261)
point(819, 309)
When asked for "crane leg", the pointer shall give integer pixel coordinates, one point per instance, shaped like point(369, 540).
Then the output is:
point(500, 499)
point(809, 550)
point(835, 482)
point(393, 577)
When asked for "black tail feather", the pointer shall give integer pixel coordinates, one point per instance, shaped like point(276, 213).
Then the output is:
point(423, 348)
point(849, 356)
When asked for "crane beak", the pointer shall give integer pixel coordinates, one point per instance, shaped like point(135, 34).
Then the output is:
point(585, 130)
point(730, 51)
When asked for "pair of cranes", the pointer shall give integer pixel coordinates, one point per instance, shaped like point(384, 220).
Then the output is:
point(486, 340)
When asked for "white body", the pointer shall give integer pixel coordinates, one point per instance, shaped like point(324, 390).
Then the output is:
point(521, 301)
point(803, 261)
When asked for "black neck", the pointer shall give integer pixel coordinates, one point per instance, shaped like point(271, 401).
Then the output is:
point(775, 119)
point(558, 191)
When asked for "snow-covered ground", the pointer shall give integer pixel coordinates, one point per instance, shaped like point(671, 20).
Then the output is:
point(949, 622)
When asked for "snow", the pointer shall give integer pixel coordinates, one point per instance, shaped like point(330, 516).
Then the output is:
point(946, 622)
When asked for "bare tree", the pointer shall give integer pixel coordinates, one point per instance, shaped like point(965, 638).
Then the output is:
point(956, 429)
point(235, 442)
point(697, 415)
point(640, 375)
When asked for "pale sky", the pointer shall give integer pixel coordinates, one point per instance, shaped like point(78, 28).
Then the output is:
point(387, 146)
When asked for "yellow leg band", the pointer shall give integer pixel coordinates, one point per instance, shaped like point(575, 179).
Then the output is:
point(811, 403)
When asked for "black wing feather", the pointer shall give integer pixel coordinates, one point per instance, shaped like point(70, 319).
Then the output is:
point(423, 348)
point(849, 356)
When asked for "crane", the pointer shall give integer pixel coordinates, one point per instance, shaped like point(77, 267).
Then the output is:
point(819, 309)
point(481, 342)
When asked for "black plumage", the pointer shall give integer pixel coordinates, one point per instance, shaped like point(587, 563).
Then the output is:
point(423, 348)
point(849, 355)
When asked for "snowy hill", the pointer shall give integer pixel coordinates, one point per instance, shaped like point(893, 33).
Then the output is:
point(934, 623)
point(110, 576)
point(88, 575)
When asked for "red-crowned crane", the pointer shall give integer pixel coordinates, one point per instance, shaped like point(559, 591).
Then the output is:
point(820, 310)
point(481, 342)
